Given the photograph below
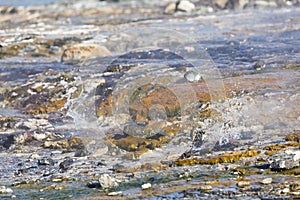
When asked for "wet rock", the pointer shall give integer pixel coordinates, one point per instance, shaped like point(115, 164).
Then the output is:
point(283, 191)
point(8, 123)
point(21, 138)
point(64, 165)
point(227, 157)
point(5, 190)
point(29, 49)
point(80, 52)
point(285, 160)
point(53, 187)
point(101, 163)
point(33, 124)
point(118, 167)
point(70, 144)
point(41, 94)
point(39, 136)
point(138, 145)
point(46, 161)
point(81, 153)
point(17, 138)
point(107, 181)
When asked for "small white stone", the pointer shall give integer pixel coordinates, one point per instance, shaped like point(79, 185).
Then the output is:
point(243, 183)
point(29, 91)
point(115, 193)
point(4, 190)
point(146, 186)
point(267, 181)
point(286, 190)
point(185, 6)
point(205, 187)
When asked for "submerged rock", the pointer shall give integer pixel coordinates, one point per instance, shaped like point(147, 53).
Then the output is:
point(192, 76)
point(80, 52)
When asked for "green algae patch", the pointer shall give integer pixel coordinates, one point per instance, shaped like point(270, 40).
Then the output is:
point(49, 107)
point(71, 144)
point(136, 146)
point(275, 148)
point(227, 157)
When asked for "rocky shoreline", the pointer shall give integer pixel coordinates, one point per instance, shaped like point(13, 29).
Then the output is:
point(105, 99)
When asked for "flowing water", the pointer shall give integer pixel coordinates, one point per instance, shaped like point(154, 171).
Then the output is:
point(216, 47)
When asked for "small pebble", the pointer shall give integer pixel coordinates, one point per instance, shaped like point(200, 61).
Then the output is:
point(115, 193)
point(243, 183)
point(267, 181)
point(192, 76)
point(286, 190)
point(146, 186)
point(205, 187)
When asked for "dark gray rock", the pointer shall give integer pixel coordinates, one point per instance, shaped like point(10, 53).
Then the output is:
point(46, 161)
point(64, 165)
point(93, 184)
